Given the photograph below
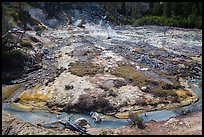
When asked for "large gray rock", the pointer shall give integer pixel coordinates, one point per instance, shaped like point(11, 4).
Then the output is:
point(53, 22)
point(106, 85)
point(96, 117)
point(37, 14)
point(109, 84)
point(81, 122)
point(79, 23)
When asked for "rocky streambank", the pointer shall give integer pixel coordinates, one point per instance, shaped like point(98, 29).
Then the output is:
point(183, 125)
point(14, 126)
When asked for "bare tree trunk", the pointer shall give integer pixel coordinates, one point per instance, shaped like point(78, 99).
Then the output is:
point(21, 15)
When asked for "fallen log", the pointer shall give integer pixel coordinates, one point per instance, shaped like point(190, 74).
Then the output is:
point(6, 132)
point(66, 124)
point(33, 68)
point(74, 127)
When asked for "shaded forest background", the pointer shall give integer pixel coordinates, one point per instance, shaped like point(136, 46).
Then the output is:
point(176, 14)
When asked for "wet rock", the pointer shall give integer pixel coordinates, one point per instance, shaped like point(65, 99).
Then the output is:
point(96, 117)
point(81, 122)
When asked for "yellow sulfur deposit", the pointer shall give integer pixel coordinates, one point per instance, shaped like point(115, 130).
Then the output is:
point(8, 90)
point(33, 94)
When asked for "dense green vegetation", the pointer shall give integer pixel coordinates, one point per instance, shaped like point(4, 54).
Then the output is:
point(174, 21)
point(136, 120)
point(15, 13)
point(177, 14)
point(8, 16)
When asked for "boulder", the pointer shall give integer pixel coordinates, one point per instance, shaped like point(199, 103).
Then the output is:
point(81, 122)
point(53, 23)
point(109, 84)
point(96, 117)
point(79, 23)
point(106, 85)
point(37, 14)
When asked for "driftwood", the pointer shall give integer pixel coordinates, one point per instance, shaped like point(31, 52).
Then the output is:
point(66, 124)
point(6, 132)
point(18, 129)
point(33, 68)
point(74, 127)
point(8, 128)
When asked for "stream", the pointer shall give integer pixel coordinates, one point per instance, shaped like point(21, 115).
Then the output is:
point(45, 117)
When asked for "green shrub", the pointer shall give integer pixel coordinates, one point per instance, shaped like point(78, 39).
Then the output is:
point(185, 112)
point(12, 59)
point(26, 43)
point(68, 87)
point(174, 21)
point(119, 20)
point(84, 69)
point(137, 120)
point(8, 19)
